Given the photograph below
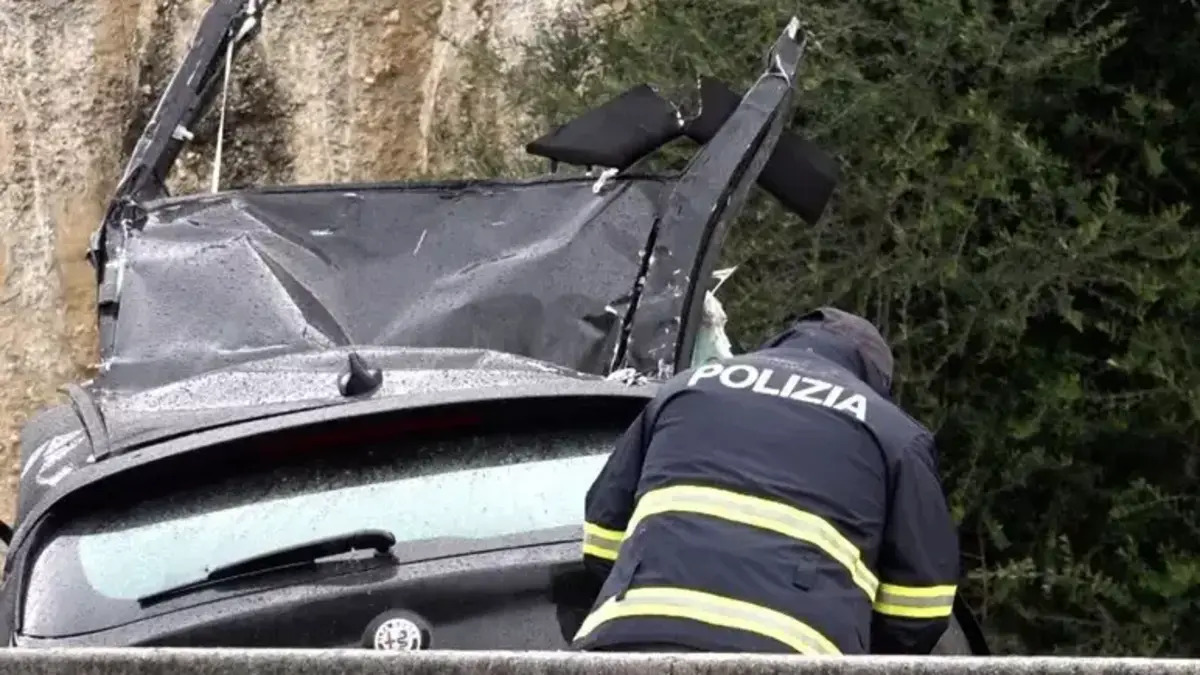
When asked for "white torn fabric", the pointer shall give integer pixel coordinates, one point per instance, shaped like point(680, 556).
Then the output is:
point(627, 376)
point(712, 343)
point(605, 178)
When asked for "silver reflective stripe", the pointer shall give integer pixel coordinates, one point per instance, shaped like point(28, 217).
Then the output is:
point(762, 513)
point(915, 602)
point(714, 610)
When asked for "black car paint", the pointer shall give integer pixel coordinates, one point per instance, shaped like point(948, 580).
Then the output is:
point(586, 395)
point(504, 599)
point(189, 457)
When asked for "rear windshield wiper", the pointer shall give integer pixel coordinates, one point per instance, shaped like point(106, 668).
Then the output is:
point(298, 554)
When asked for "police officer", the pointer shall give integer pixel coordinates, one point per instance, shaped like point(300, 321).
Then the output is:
point(776, 501)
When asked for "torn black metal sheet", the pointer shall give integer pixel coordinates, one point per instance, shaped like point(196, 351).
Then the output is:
point(698, 212)
point(542, 269)
point(187, 96)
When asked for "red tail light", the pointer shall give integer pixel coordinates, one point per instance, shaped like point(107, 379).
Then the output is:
point(363, 432)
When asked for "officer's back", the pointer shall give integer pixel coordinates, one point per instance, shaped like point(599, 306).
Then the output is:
point(757, 501)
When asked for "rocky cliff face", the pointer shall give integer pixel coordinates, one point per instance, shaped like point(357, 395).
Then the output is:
point(331, 90)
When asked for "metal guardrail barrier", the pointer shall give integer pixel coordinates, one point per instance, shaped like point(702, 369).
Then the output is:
point(148, 661)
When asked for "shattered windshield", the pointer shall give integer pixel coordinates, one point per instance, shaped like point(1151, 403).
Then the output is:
point(461, 487)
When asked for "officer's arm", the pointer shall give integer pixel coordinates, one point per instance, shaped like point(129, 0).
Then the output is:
point(918, 564)
point(610, 500)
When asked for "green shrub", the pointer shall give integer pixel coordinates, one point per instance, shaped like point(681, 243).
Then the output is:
point(999, 218)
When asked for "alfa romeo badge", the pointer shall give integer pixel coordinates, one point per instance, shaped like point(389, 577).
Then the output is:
point(397, 632)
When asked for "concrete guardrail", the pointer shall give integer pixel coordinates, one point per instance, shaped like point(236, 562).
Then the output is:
point(148, 661)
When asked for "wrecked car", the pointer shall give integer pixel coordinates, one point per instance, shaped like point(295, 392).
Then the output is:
point(366, 415)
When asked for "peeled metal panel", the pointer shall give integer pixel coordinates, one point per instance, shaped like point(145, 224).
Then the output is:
point(697, 214)
point(539, 269)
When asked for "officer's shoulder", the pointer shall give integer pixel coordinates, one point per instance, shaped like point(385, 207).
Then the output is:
point(917, 425)
point(917, 436)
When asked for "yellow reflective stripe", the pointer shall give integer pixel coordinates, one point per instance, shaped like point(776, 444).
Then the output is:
point(594, 530)
point(599, 551)
point(715, 610)
point(762, 513)
point(915, 602)
point(601, 542)
point(946, 591)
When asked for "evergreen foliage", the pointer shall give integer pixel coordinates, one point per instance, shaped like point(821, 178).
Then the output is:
point(1013, 213)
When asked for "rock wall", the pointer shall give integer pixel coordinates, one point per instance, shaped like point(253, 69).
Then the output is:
point(331, 90)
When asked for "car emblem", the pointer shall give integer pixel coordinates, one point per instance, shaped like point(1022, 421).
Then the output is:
point(398, 634)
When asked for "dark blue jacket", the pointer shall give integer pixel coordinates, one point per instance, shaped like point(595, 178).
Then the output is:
point(772, 502)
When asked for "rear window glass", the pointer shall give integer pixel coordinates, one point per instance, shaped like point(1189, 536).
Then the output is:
point(473, 488)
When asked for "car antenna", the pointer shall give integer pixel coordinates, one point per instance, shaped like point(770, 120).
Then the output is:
point(358, 378)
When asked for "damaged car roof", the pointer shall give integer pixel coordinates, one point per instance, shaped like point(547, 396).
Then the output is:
point(543, 269)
